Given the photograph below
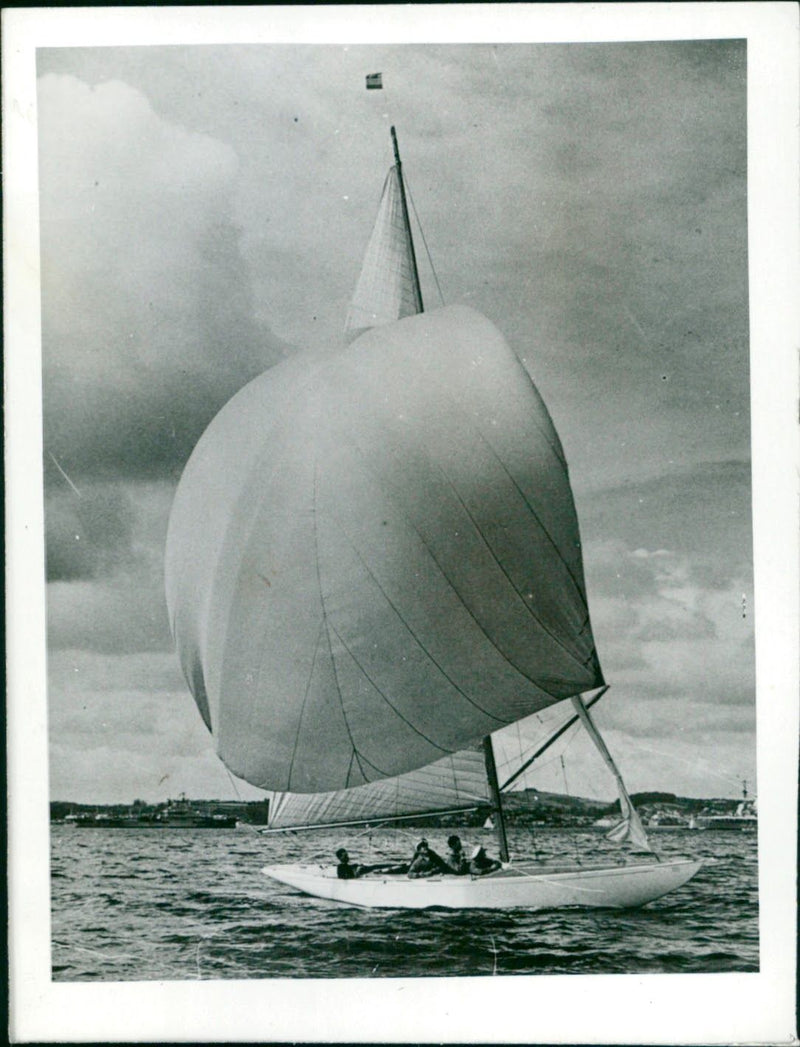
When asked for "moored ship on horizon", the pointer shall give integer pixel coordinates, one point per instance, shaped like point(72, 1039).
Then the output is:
point(745, 817)
point(175, 814)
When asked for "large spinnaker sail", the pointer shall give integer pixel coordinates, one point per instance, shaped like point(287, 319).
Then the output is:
point(387, 288)
point(454, 783)
point(373, 559)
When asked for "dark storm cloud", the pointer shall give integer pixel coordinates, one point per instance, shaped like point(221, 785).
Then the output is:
point(104, 562)
point(147, 315)
point(101, 431)
point(119, 615)
point(87, 533)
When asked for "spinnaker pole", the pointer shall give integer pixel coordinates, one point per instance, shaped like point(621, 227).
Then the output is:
point(494, 788)
point(553, 738)
point(414, 270)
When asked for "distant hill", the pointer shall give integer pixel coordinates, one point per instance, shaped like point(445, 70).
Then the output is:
point(523, 807)
point(680, 804)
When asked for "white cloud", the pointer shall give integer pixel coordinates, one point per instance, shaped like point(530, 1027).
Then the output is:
point(690, 636)
point(124, 726)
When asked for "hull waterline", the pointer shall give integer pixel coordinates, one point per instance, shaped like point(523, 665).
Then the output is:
point(522, 886)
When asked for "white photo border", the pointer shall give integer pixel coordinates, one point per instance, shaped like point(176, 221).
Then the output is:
point(707, 1009)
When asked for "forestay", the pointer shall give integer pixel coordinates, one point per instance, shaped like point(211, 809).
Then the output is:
point(373, 559)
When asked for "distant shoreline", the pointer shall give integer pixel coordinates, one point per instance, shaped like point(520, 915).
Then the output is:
point(524, 808)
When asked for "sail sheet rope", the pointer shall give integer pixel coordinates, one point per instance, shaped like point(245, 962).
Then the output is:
point(540, 765)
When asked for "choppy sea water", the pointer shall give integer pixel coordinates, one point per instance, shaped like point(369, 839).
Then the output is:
point(169, 904)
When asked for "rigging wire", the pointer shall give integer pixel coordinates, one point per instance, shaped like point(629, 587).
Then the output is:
point(424, 241)
point(541, 764)
point(233, 783)
point(566, 790)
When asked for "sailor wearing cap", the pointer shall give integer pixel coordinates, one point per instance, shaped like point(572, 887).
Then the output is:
point(480, 863)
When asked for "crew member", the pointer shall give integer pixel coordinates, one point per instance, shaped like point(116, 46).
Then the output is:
point(346, 871)
point(455, 858)
point(426, 862)
point(480, 863)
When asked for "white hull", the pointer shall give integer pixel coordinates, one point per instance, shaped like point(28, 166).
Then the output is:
point(513, 887)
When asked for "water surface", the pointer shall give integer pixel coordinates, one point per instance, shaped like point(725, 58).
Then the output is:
point(143, 904)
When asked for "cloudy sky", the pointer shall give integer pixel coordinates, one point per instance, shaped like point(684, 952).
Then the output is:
point(203, 214)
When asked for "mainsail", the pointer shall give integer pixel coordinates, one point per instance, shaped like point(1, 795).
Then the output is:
point(388, 286)
point(454, 783)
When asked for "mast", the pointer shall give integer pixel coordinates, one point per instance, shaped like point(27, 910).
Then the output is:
point(415, 271)
point(494, 788)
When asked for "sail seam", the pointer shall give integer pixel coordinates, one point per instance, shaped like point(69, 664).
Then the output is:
point(305, 700)
point(356, 754)
point(359, 757)
point(246, 533)
point(506, 575)
point(555, 446)
point(475, 619)
point(413, 635)
point(378, 691)
point(558, 453)
point(346, 438)
point(579, 588)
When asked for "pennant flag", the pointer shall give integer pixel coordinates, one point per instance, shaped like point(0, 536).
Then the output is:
point(374, 81)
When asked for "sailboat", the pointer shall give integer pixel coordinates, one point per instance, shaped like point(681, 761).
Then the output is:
point(373, 566)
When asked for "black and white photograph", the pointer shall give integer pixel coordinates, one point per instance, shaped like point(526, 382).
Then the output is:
point(416, 610)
